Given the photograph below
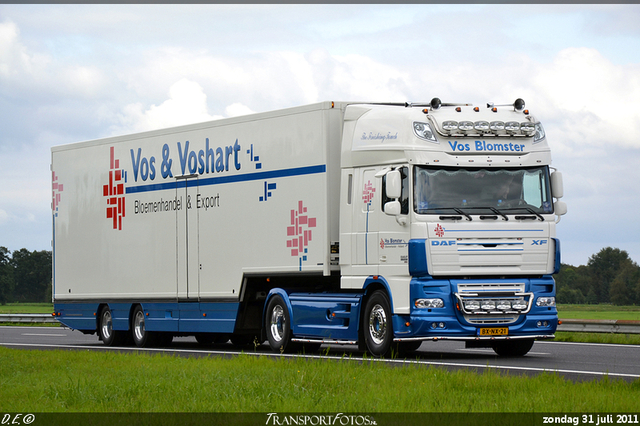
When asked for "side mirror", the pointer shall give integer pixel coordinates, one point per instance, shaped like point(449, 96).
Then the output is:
point(560, 208)
point(557, 188)
point(393, 184)
point(392, 208)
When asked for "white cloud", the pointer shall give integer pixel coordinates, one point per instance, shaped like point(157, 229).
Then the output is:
point(187, 104)
point(28, 73)
point(237, 109)
point(15, 60)
point(592, 97)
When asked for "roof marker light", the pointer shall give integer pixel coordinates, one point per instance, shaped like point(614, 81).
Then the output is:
point(476, 109)
point(458, 109)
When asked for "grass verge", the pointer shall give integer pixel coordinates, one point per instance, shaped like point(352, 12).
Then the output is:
point(26, 308)
point(599, 312)
point(74, 381)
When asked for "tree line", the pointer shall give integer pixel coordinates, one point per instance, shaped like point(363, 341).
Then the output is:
point(25, 276)
point(610, 276)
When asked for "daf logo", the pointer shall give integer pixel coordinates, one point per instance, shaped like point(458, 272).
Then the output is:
point(443, 243)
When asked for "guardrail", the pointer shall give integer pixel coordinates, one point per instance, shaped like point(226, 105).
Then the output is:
point(28, 318)
point(574, 325)
point(600, 326)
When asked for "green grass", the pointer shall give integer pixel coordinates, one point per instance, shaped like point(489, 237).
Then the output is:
point(26, 308)
point(75, 381)
point(606, 338)
point(599, 312)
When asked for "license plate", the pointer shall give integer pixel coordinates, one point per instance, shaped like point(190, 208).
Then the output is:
point(496, 331)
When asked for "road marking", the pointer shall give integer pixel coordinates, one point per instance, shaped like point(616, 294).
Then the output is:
point(490, 351)
point(43, 334)
point(338, 358)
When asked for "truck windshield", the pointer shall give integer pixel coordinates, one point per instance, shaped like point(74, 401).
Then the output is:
point(440, 190)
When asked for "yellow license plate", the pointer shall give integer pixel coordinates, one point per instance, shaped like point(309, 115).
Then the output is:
point(497, 331)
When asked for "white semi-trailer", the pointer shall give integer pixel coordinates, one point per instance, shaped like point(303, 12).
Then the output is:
point(382, 225)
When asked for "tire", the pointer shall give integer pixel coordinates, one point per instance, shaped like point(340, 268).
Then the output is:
point(278, 325)
point(106, 333)
point(143, 338)
point(512, 347)
point(377, 325)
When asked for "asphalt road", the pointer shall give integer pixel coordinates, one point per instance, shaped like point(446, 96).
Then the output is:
point(574, 361)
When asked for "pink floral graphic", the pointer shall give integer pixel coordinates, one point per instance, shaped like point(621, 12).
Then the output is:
point(114, 191)
point(56, 189)
point(299, 237)
point(368, 193)
point(439, 231)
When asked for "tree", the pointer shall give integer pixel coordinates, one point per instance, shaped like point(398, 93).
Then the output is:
point(32, 275)
point(6, 276)
point(603, 268)
point(623, 287)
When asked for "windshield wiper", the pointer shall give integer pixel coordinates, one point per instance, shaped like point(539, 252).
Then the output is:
point(496, 211)
point(462, 213)
point(530, 210)
point(451, 217)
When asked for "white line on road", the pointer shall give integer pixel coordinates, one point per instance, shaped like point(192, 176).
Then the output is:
point(325, 357)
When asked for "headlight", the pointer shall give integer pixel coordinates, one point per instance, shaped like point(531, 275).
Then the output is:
point(546, 301)
point(496, 126)
point(472, 305)
point(481, 126)
point(504, 305)
point(488, 305)
point(512, 127)
point(465, 126)
point(423, 131)
point(519, 305)
point(539, 133)
point(527, 129)
point(450, 126)
point(429, 303)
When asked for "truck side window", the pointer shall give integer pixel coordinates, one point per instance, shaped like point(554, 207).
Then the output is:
point(404, 199)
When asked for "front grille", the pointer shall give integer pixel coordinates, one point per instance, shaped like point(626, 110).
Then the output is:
point(499, 303)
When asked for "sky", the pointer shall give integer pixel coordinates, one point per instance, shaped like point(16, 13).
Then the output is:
point(70, 73)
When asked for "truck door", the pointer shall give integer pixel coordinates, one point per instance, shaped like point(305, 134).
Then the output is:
point(187, 243)
point(366, 208)
point(394, 232)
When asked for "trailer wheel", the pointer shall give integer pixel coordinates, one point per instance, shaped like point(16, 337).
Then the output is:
point(278, 325)
point(143, 338)
point(106, 333)
point(378, 329)
point(512, 347)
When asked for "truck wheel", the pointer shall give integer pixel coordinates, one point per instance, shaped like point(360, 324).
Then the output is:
point(106, 333)
point(512, 347)
point(141, 337)
point(378, 330)
point(278, 325)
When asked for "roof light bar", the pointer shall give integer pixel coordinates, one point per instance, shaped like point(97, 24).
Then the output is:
point(497, 128)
